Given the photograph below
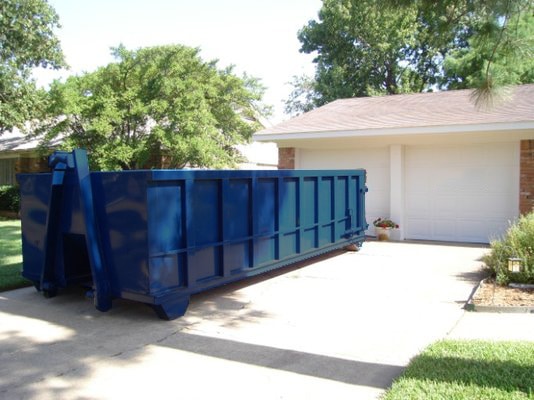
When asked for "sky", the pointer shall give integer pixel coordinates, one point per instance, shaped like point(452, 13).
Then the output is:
point(259, 37)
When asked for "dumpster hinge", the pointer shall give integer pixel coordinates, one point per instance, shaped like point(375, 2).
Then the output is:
point(60, 162)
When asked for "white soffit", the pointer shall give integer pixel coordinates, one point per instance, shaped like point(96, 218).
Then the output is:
point(422, 130)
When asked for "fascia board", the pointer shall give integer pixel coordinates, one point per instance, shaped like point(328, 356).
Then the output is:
point(420, 130)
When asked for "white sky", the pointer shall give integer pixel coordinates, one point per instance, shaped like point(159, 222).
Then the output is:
point(257, 36)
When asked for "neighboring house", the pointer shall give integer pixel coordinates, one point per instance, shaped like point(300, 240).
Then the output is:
point(441, 168)
point(19, 154)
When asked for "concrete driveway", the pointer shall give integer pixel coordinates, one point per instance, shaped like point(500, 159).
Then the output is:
point(341, 327)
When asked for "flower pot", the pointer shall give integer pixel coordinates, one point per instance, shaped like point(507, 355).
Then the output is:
point(382, 234)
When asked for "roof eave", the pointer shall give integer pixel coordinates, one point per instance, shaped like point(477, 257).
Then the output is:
point(418, 130)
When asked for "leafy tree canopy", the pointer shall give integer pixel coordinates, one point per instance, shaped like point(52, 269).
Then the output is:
point(371, 47)
point(500, 49)
point(156, 101)
point(27, 40)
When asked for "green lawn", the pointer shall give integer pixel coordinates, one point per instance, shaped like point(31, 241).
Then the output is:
point(11, 256)
point(463, 370)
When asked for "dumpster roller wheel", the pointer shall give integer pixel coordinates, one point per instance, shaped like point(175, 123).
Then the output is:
point(171, 308)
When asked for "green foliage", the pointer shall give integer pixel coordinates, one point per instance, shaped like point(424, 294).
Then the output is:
point(517, 242)
point(9, 198)
point(27, 40)
point(465, 370)
point(304, 97)
point(358, 47)
point(11, 256)
point(156, 101)
point(366, 48)
point(370, 47)
point(498, 55)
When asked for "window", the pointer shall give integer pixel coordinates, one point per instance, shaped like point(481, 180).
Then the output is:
point(7, 171)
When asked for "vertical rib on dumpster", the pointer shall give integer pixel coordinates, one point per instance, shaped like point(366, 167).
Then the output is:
point(48, 285)
point(100, 277)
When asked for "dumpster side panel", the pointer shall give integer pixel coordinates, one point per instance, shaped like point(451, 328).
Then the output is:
point(34, 192)
point(121, 212)
point(309, 214)
point(264, 213)
point(205, 254)
point(288, 238)
point(237, 226)
point(166, 235)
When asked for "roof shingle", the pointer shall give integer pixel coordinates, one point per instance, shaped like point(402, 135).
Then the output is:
point(447, 108)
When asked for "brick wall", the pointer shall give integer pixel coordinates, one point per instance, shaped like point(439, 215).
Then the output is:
point(31, 164)
point(526, 180)
point(286, 158)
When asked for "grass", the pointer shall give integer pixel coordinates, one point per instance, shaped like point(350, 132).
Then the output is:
point(462, 370)
point(11, 256)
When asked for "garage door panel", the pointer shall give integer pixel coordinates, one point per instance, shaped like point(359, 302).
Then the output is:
point(378, 178)
point(445, 179)
point(473, 191)
point(470, 206)
point(473, 230)
point(444, 206)
point(472, 179)
point(501, 179)
point(419, 180)
point(375, 161)
point(417, 206)
point(422, 157)
point(418, 228)
point(500, 206)
point(469, 154)
point(497, 228)
point(504, 152)
point(444, 229)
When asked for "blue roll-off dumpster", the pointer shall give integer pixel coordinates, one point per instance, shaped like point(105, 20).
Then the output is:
point(158, 236)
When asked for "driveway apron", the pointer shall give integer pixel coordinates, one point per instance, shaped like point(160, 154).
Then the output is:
point(342, 327)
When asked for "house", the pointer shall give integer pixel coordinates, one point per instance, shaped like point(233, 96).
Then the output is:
point(18, 154)
point(436, 164)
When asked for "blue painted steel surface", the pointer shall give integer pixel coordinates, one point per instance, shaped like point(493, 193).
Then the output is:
point(158, 236)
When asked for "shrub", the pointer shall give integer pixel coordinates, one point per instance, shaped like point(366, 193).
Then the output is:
point(518, 241)
point(9, 198)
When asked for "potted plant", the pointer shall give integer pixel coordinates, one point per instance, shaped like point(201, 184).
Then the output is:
point(383, 227)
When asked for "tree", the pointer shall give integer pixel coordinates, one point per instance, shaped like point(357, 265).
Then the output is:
point(500, 51)
point(27, 41)
point(372, 47)
point(158, 101)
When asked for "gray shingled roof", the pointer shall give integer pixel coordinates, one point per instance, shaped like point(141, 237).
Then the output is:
point(15, 141)
point(448, 108)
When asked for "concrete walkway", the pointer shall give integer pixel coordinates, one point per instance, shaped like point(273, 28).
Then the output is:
point(340, 328)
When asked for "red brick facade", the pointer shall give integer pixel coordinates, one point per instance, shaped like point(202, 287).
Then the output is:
point(526, 180)
point(286, 158)
point(31, 164)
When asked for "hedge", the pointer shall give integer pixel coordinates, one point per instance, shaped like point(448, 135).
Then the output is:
point(9, 198)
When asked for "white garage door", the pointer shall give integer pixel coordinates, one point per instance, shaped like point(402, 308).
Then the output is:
point(461, 193)
point(374, 160)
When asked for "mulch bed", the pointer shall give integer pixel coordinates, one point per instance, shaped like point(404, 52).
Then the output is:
point(491, 294)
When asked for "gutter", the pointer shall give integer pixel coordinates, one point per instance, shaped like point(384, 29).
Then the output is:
point(419, 130)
